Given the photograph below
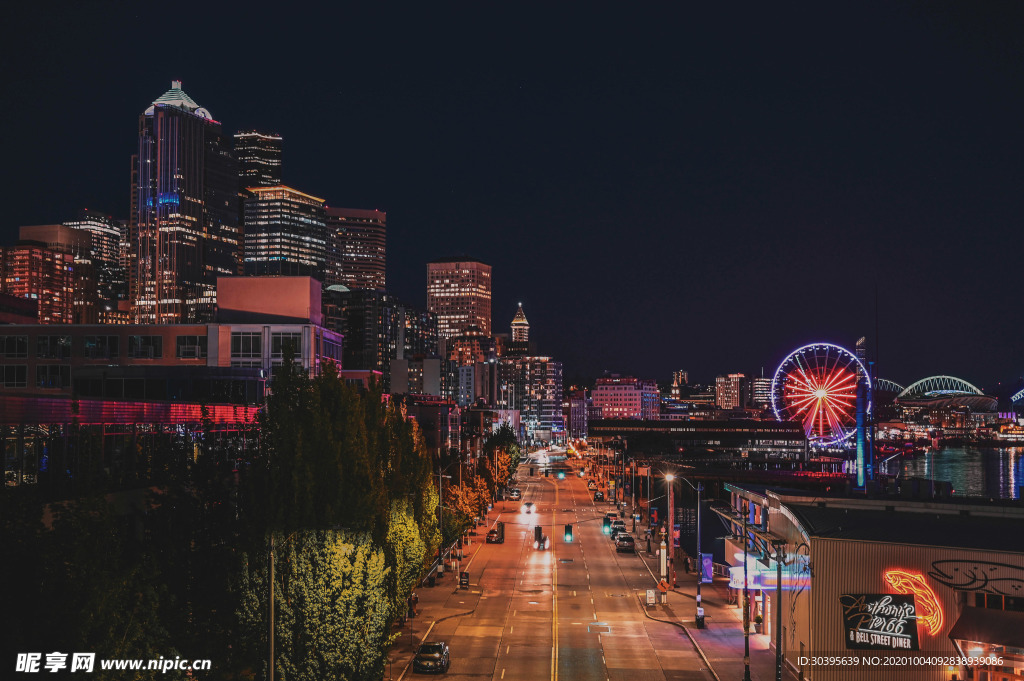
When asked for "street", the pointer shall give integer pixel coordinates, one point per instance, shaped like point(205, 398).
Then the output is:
point(573, 611)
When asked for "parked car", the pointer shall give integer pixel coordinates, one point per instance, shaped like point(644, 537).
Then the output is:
point(599, 496)
point(432, 657)
point(625, 544)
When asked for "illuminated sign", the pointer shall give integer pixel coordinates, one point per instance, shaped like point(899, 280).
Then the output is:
point(929, 612)
point(879, 621)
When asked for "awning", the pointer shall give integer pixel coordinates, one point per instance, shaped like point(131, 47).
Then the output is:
point(997, 627)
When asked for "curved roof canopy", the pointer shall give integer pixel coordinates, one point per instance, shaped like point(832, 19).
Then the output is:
point(939, 385)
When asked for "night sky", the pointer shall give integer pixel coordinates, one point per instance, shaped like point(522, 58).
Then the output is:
point(664, 189)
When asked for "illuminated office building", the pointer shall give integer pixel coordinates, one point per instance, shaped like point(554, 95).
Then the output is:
point(732, 391)
point(107, 236)
point(459, 293)
point(356, 248)
point(46, 276)
point(259, 159)
point(626, 397)
point(285, 232)
point(184, 222)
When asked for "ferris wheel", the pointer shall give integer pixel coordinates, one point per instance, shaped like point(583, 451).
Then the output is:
point(817, 385)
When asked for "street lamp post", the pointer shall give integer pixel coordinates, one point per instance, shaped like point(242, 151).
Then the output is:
point(746, 604)
point(671, 525)
point(778, 544)
point(700, 559)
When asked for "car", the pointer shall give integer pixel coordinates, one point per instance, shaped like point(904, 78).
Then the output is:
point(527, 507)
point(432, 657)
point(617, 522)
point(625, 544)
point(591, 484)
point(514, 494)
point(599, 496)
point(615, 532)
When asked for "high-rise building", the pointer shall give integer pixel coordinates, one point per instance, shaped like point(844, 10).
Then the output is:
point(285, 232)
point(85, 283)
point(762, 389)
point(625, 397)
point(732, 391)
point(459, 293)
point(184, 228)
point(356, 248)
point(46, 276)
point(107, 236)
point(533, 386)
point(259, 159)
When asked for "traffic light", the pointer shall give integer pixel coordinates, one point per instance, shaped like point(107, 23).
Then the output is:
point(547, 473)
point(568, 532)
point(606, 525)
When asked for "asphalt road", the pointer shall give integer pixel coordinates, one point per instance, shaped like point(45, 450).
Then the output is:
point(572, 612)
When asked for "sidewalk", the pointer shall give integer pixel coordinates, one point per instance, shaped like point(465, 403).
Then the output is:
point(434, 607)
point(721, 641)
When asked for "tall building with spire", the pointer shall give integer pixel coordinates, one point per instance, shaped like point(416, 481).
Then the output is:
point(520, 327)
point(459, 293)
point(184, 224)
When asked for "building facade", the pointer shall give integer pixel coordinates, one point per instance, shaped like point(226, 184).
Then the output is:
point(43, 275)
point(184, 223)
point(626, 398)
point(285, 232)
point(356, 248)
point(259, 158)
point(106, 238)
point(732, 391)
point(459, 294)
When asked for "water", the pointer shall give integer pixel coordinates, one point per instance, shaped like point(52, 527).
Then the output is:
point(974, 471)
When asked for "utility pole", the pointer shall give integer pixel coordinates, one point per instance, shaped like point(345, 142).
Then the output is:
point(271, 660)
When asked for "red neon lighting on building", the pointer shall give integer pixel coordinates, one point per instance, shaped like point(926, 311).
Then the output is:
point(929, 611)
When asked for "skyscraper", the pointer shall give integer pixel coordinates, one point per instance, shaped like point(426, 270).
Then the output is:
point(356, 248)
point(732, 391)
point(459, 293)
point(285, 232)
point(107, 236)
point(259, 159)
point(31, 270)
point(184, 229)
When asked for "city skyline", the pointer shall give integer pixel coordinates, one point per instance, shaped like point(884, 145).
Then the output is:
point(664, 201)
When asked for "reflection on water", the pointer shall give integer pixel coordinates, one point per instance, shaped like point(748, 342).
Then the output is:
point(981, 472)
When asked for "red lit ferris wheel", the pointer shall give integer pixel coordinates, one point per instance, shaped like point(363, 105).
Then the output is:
point(817, 385)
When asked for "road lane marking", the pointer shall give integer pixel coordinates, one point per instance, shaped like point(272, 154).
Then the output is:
point(506, 652)
point(502, 672)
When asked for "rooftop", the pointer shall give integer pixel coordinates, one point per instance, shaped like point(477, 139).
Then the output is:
point(176, 98)
point(952, 530)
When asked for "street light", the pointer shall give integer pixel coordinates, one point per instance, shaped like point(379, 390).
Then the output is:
point(700, 558)
point(746, 602)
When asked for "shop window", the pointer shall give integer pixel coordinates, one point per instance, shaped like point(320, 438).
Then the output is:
point(53, 376)
point(15, 375)
point(53, 347)
point(145, 347)
point(14, 346)
point(101, 347)
point(191, 347)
